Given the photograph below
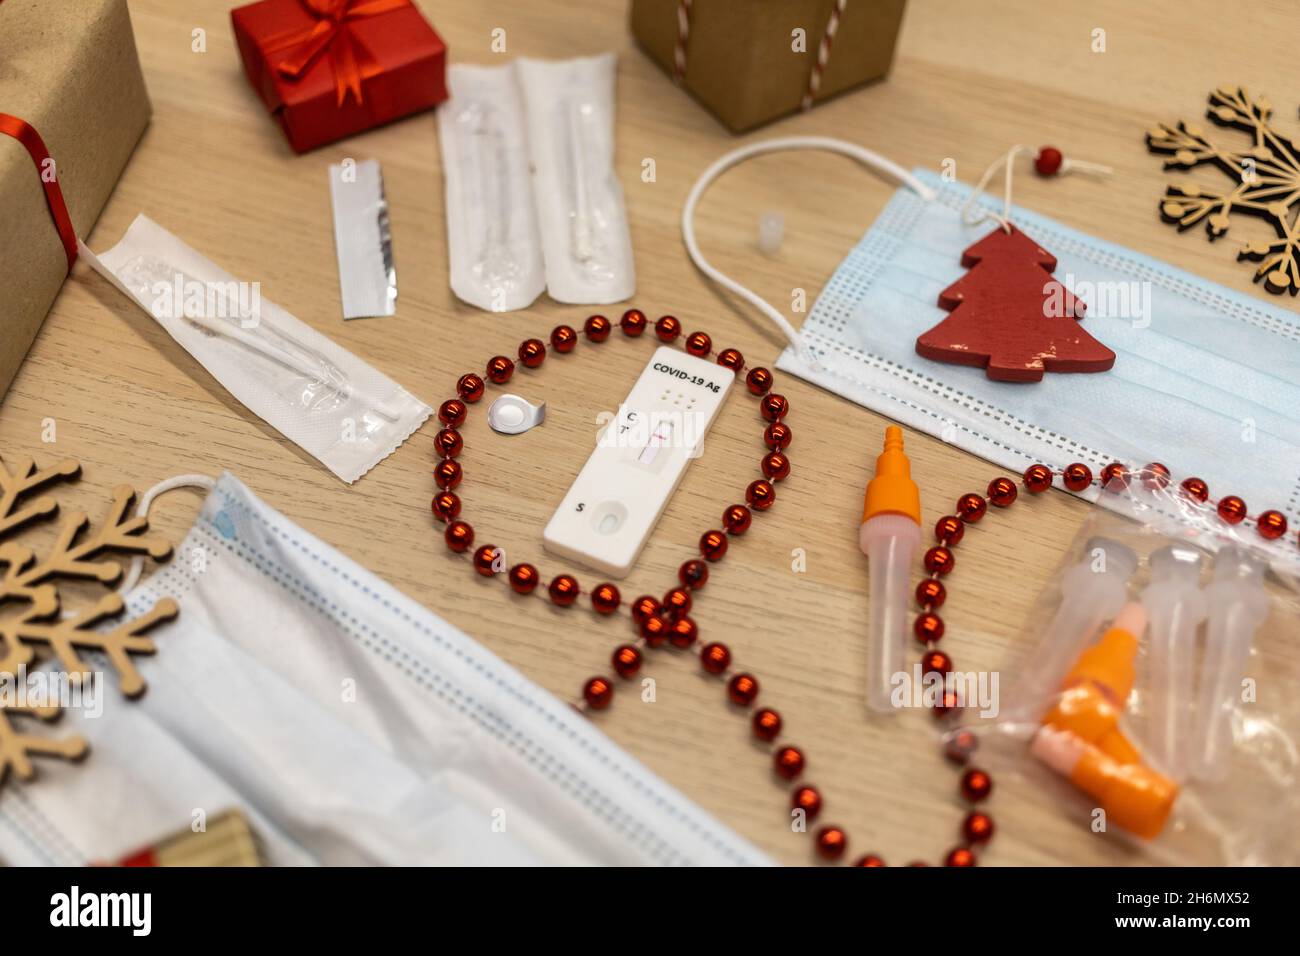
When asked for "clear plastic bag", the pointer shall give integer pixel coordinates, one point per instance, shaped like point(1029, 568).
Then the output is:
point(1158, 706)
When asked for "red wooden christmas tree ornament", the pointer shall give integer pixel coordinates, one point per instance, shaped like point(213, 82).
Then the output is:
point(1009, 316)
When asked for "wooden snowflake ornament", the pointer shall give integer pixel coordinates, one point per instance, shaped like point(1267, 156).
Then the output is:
point(1266, 177)
point(33, 626)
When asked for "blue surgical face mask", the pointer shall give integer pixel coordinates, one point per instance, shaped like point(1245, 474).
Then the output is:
point(1205, 379)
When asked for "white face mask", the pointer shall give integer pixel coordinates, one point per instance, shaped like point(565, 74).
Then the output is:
point(349, 723)
point(1204, 380)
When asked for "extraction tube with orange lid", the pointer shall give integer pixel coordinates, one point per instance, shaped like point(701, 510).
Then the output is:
point(890, 536)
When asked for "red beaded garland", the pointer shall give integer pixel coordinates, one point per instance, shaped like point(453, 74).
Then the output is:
point(758, 381)
point(1271, 525)
point(632, 323)
point(737, 519)
point(731, 359)
point(683, 632)
point(447, 474)
point(1232, 509)
point(939, 560)
point(959, 856)
point(485, 559)
point(971, 507)
point(777, 436)
point(760, 494)
point(532, 352)
point(1115, 477)
point(870, 859)
point(831, 842)
point(1037, 479)
point(766, 723)
point(977, 827)
point(693, 574)
point(654, 629)
point(524, 578)
point(1155, 476)
point(459, 536)
point(446, 505)
point(949, 530)
point(776, 466)
point(698, 344)
point(788, 762)
point(563, 338)
point(563, 590)
point(626, 661)
point(1077, 476)
point(448, 443)
point(773, 407)
point(928, 627)
point(1196, 489)
point(605, 598)
point(470, 387)
point(598, 692)
point(742, 689)
point(976, 784)
point(452, 412)
point(668, 328)
point(643, 607)
point(935, 662)
point(1002, 492)
point(499, 369)
point(677, 602)
point(930, 593)
point(808, 800)
point(713, 545)
point(715, 658)
point(959, 746)
point(597, 328)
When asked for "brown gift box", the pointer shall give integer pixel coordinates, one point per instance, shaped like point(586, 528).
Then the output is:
point(739, 60)
point(69, 68)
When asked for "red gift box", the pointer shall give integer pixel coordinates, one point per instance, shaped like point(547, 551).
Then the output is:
point(329, 68)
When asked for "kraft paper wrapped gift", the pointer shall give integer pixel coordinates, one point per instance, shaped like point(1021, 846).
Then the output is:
point(70, 70)
point(745, 62)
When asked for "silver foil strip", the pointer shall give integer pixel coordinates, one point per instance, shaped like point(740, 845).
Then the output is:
point(362, 239)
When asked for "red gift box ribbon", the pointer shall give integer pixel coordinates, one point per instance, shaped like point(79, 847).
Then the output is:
point(26, 134)
point(331, 36)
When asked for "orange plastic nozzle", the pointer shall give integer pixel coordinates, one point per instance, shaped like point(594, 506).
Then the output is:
point(892, 491)
point(1134, 796)
point(1093, 693)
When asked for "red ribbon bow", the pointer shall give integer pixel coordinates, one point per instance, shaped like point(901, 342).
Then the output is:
point(26, 134)
point(331, 36)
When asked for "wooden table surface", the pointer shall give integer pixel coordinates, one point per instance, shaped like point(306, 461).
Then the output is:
point(969, 80)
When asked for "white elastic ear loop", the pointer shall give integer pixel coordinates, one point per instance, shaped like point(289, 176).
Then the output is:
point(863, 155)
point(132, 577)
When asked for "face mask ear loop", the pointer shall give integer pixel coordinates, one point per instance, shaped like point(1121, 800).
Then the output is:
point(132, 576)
point(867, 157)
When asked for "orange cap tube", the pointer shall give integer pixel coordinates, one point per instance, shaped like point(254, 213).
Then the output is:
point(892, 491)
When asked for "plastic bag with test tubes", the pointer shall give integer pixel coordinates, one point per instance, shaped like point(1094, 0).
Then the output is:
point(1155, 702)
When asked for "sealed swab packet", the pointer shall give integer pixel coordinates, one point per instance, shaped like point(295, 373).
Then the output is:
point(585, 240)
point(493, 245)
point(363, 240)
point(320, 396)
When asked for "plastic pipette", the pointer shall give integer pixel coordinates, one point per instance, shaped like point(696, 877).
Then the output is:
point(1237, 604)
point(1092, 592)
point(890, 537)
point(1175, 608)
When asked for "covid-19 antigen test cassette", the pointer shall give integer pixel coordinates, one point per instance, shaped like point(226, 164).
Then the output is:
point(642, 453)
